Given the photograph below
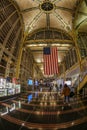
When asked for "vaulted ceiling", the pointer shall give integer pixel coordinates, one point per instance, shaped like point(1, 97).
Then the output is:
point(51, 22)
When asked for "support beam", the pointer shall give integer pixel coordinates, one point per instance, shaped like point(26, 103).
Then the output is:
point(34, 20)
point(64, 8)
point(22, 45)
point(61, 20)
point(83, 21)
point(39, 51)
point(42, 41)
point(54, 1)
point(29, 9)
point(48, 20)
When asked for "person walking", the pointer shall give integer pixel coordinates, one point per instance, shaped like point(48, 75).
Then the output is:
point(66, 92)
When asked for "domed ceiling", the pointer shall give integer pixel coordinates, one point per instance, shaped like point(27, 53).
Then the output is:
point(54, 17)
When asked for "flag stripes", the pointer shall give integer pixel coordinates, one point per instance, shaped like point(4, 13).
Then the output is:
point(51, 62)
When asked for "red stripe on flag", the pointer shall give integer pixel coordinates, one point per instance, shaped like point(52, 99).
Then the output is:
point(51, 62)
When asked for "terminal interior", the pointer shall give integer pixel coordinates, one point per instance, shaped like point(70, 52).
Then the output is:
point(29, 98)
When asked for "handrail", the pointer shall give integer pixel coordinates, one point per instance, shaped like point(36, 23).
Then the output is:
point(82, 82)
point(82, 78)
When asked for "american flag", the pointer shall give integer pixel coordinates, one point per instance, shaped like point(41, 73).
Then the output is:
point(50, 59)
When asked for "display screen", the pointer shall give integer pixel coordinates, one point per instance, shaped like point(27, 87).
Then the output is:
point(11, 91)
point(68, 82)
point(30, 82)
point(29, 97)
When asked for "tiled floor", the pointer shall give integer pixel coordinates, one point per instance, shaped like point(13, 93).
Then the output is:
point(45, 111)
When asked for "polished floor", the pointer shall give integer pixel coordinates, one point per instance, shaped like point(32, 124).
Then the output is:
point(42, 111)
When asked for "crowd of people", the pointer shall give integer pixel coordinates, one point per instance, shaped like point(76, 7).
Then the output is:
point(64, 91)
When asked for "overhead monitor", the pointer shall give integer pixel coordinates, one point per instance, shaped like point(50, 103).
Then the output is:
point(30, 82)
point(68, 82)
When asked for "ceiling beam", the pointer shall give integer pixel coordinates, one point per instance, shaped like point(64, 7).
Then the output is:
point(47, 20)
point(56, 1)
point(64, 8)
point(34, 20)
point(86, 2)
point(61, 20)
point(82, 13)
point(29, 9)
point(69, 10)
point(83, 21)
point(39, 51)
point(39, 1)
point(48, 41)
point(78, 5)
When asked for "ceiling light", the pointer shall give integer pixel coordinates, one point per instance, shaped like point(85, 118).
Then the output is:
point(41, 68)
point(38, 61)
point(31, 45)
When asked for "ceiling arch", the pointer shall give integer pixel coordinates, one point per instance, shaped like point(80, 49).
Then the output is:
point(37, 13)
point(80, 22)
point(51, 33)
point(51, 22)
